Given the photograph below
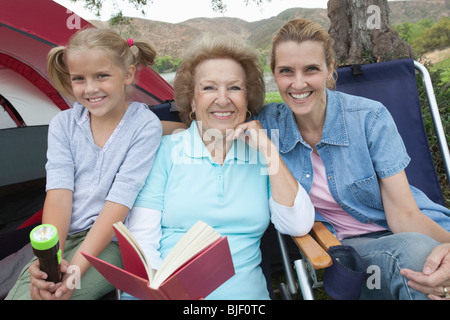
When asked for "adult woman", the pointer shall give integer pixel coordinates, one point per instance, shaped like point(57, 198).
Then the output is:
point(207, 173)
point(347, 154)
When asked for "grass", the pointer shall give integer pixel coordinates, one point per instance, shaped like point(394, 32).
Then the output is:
point(273, 97)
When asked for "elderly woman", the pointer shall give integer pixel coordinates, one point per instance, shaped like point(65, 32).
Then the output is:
point(222, 170)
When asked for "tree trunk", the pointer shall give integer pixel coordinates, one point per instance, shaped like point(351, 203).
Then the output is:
point(362, 32)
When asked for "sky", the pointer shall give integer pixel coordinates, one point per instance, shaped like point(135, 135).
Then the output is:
point(175, 11)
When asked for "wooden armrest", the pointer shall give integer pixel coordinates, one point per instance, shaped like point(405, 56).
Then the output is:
point(316, 255)
point(315, 249)
point(323, 236)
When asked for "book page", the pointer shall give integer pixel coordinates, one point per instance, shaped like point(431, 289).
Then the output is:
point(127, 234)
point(195, 240)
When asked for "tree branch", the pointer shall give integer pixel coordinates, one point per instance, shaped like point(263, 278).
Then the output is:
point(95, 6)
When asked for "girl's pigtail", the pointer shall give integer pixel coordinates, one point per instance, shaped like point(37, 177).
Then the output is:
point(145, 55)
point(57, 71)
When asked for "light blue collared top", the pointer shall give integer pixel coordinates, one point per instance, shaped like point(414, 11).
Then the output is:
point(187, 185)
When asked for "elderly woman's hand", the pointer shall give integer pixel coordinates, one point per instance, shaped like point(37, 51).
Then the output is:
point(434, 280)
point(253, 134)
point(256, 137)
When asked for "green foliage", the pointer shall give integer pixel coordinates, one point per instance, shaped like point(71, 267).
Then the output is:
point(123, 25)
point(273, 97)
point(166, 63)
point(410, 31)
point(436, 37)
point(426, 35)
point(444, 67)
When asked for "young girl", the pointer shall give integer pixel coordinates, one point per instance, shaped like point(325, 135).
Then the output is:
point(99, 154)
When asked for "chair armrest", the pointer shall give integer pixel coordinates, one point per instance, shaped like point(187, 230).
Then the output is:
point(323, 236)
point(315, 254)
point(315, 249)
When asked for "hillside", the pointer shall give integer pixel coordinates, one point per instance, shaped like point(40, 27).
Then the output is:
point(170, 39)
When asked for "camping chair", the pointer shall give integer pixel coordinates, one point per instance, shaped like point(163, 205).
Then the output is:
point(394, 84)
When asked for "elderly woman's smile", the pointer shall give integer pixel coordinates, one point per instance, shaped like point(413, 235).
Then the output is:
point(221, 114)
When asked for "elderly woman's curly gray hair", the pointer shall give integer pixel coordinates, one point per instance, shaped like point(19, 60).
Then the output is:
point(215, 47)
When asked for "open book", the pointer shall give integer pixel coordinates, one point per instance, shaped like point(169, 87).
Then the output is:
point(198, 264)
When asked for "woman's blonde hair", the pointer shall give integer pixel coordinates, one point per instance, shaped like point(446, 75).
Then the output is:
point(300, 30)
point(115, 47)
point(214, 47)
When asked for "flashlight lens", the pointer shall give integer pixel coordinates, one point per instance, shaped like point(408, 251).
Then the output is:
point(44, 233)
point(44, 237)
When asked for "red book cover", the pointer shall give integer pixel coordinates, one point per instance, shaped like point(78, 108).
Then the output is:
point(195, 279)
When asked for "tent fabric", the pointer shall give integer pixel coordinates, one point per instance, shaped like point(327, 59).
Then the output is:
point(9, 118)
point(23, 156)
point(35, 78)
point(33, 105)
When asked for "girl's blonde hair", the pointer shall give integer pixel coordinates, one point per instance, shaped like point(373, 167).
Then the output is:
point(114, 46)
point(213, 47)
point(300, 30)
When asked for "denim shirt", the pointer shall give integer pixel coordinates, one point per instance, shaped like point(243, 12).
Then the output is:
point(360, 143)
